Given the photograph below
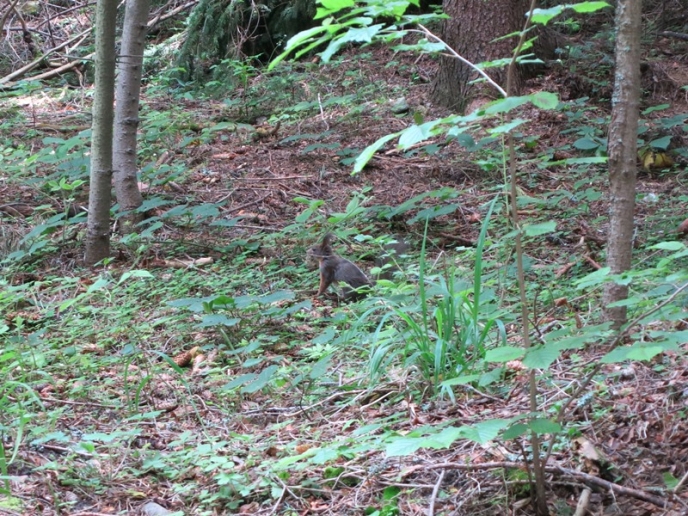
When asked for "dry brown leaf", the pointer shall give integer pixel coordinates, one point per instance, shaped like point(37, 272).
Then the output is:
point(683, 228)
point(198, 360)
point(185, 264)
point(586, 449)
point(302, 448)
point(185, 358)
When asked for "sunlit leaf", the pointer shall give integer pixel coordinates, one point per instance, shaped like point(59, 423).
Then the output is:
point(545, 100)
point(588, 7)
point(367, 154)
point(539, 229)
point(544, 426)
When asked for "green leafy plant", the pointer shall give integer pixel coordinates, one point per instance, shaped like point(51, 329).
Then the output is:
point(447, 332)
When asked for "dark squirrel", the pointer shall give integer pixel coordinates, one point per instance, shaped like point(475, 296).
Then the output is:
point(335, 269)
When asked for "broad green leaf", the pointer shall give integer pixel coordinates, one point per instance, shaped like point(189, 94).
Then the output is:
point(539, 229)
point(315, 43)
point(590, 160)
point(98, 284)
point(221, 301)
point(252, 362)
point(543, 16)
point(635, 352)
point(260, 381)
point(412, 135)
point(446, 437)
point(485, 431)
point(153, 202)
point(390, 492)
point(515, 431)
point(652, 109)
point(363, 34)
point(433, 212)
point(191, 303)
point(288, 461)
point(367, 429)
point(366, 155)
point(508, 127)
point(504, 105)
point(332, 49)
point(423, 46)
point(352, 35)
point(545, 100)
point(324, 455)
point(670, 481)
point(496, 63)
point(588, 7)
point(586, 144)
point(240, 380)
point(403, 446)
point(541, 357)
point(669, 246)
point(135, 274)
point(336, 5)
point(503, 354)
point(205, 211)
point(629, 301)
point(661, 143)
point(274, 297)
point(644, 352)
point(544, 426)
point(490, 377)
point(217, 320)
point(670, 340)
point(594, 278)
point(320, 367)
point(300, 38)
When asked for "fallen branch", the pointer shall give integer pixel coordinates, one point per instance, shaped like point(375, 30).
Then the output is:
point(672, 34)
point(68, 66)
point(585, 477)
point(57, 71)
point(435, 491)
point(172, 13)
point(583, 503)
point(616, 488)
point(33, 64)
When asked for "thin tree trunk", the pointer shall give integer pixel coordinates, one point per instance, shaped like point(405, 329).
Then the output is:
point(127, 112)
point(622, 149)
point(98, 227)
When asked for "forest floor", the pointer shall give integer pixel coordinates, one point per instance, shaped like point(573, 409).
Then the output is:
point(121, 390)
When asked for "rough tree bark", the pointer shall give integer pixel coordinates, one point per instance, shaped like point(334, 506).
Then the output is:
point(98, 226)
point(622, 150)
point(473, 26)
point(127, 95)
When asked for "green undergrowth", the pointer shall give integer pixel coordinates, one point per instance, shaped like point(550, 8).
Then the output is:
point(96, 350)
point(295, 394)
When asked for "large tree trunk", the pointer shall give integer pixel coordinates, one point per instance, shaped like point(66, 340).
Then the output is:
point(622, 149)
point(127, 112)
point(98, 227)
point(473, 26)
